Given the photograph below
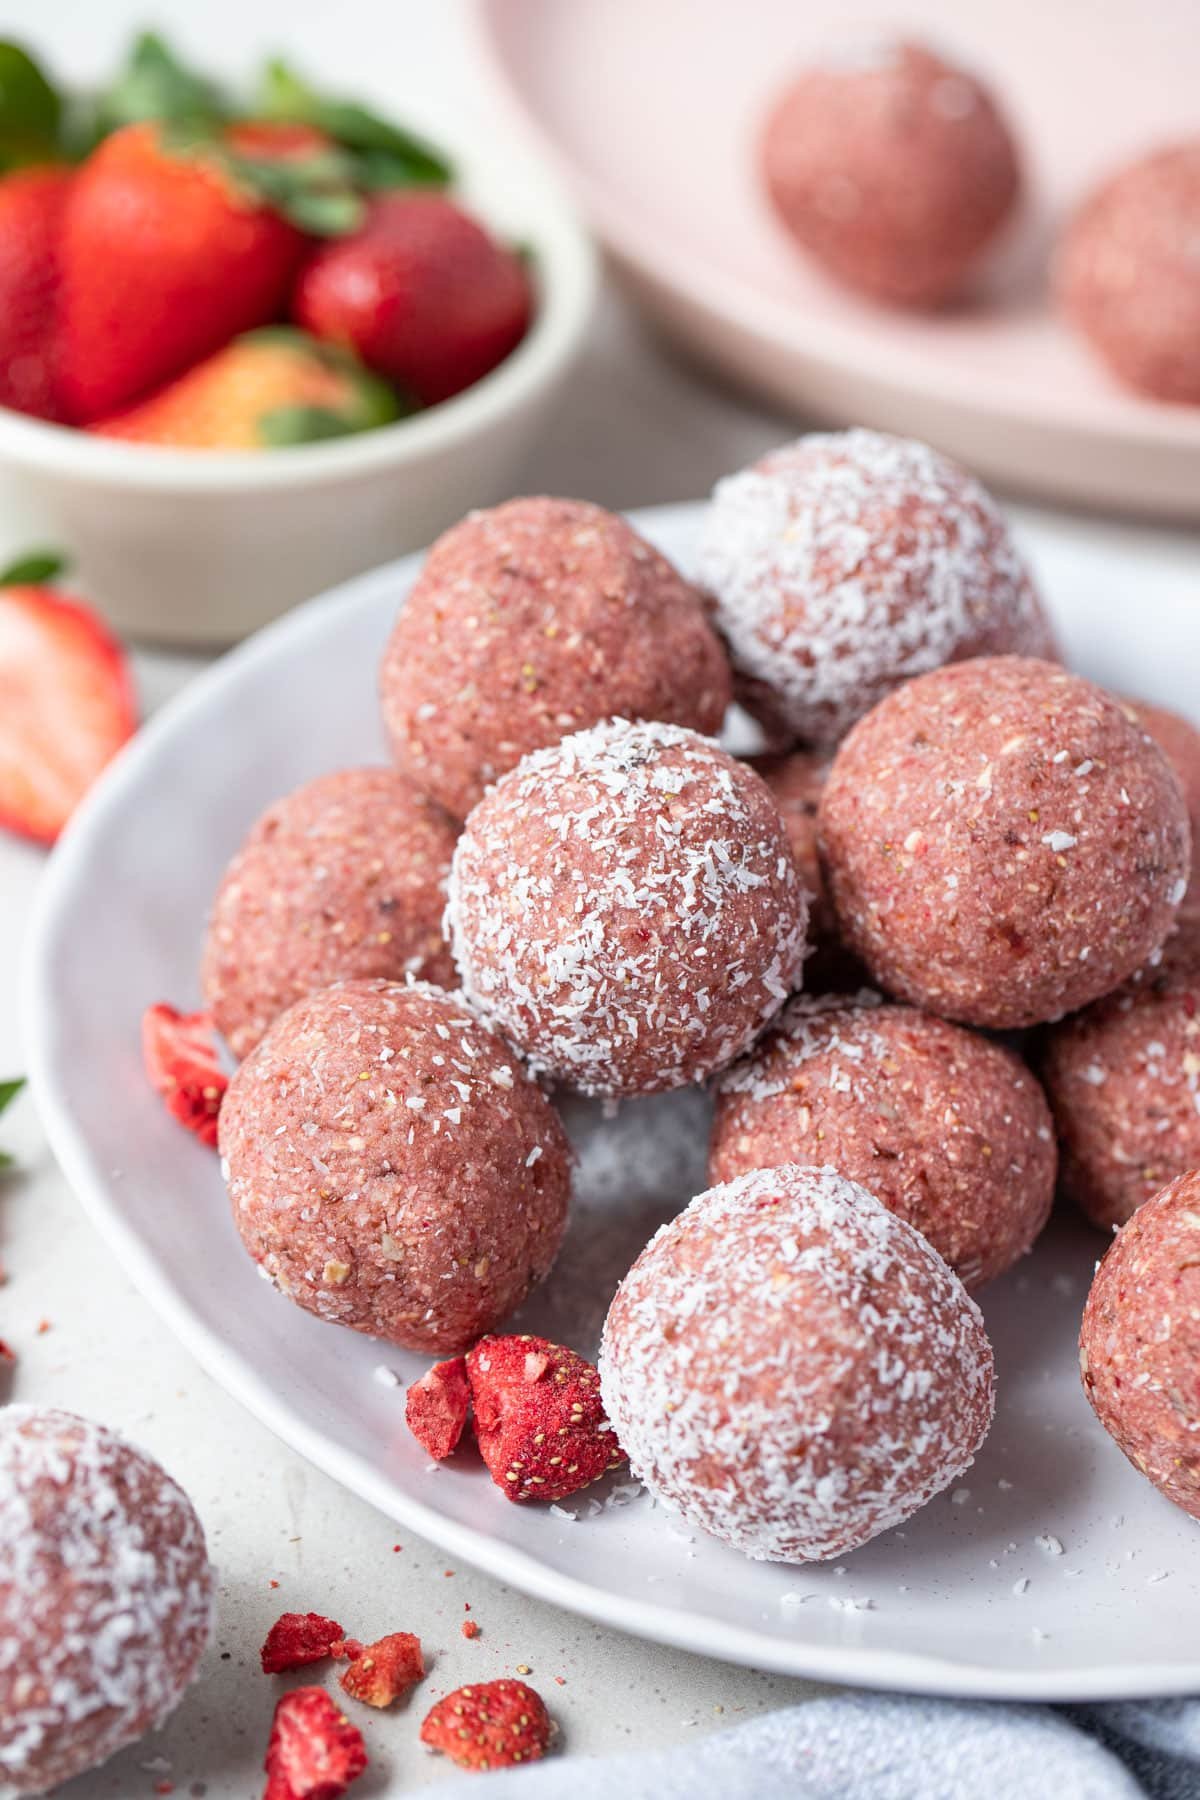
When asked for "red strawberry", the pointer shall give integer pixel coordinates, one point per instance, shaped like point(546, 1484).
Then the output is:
point(164, 259)
point(296, 1639)
point(31, 210)
point(180, 1054)
point(539, 1417)
point(276, 140)
point(421, 292)
point(437, 1406)
point(314, 1751)
point(66, 707)
point(383, 1671)
point(491, 1726)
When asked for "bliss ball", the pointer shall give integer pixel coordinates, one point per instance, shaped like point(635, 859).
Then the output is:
point(1128, 273)
point(624, 908)
point(1179, 741)
point(844, 563)
point(106, 1596)
point(793, 1368)
point(949, 1130)
point(1139, 1347)
point(797, 780)
point(1002, 843)
point(894, 170)
point(1123, 1078)
point(342, 880)
point(533, 620)
point(391, 1167)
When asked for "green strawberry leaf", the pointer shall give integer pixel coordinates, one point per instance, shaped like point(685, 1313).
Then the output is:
point(32, 570)
point(30, 110)
point(9, 1091)
point(401, 158)
point(155, 85)
point(287, 425)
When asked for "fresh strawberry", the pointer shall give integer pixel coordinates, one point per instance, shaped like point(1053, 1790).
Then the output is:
point(164, 259)
point(383, 1671)
point(276, 140)
point(489, 1726)
point(422, 293)
point(296, 1639)
point(66, 706)
point(539, 1417)
point(436, 1407)
point(31, 210)
point(314, 1751)
point(269, 389)
point(180, 1054)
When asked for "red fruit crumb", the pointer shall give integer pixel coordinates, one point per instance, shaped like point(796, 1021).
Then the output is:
point(345, 1649)
point(43, 1327)
point(314, 1751)
point(180, 1054)
point(489, 1726)
point(469, 1628)
point(273, 1584)
point(164, 1787)
point(8, 1355)
point(296, 1639)
point(437, 1406)
point(385, 1670)
point(542, 1434)
point(561, 1680)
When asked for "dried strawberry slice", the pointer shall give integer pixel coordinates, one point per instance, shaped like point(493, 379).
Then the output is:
point(489, 1726)
point(296, 1639)
point(314, 1751)
point(384, 1670)
point(180, 1053)
point(436, 1407)
point(539, 1417)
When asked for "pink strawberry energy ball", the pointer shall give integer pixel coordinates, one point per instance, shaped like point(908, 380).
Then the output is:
point(1179, 741)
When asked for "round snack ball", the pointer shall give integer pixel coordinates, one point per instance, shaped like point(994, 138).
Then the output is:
point(846, 562)
point(1123, 1077)
point(949, 1130)
point(391, 1167)
point(797, 780)
point(536, 619)
point(105, 1596)
point(1002, 843)
point(1139, 1346)
point(793, 1368)
point(343, 879)
point(893, 168)
point(625, 909)
point(1179, 742)
point(1128, 275)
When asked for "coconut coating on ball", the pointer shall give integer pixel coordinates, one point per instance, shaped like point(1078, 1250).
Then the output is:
point(391, 1167)
point(1139, 1346)
point(847, 562)
point(1128, 275)
point(536, 619)
point(949, 1130)
point(344, 879)
point(1003, 844)
point(893, 168)
point(1179, 741)
point(625, 909)
point(105, 1596)
point(793, 1368)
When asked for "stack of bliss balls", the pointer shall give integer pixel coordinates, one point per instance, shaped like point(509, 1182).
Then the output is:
point(939, 932)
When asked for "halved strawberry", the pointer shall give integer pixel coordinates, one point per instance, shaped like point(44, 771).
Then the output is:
point(66, 707)
point(314, 1751)
point(180, 1053)
point(539, 1417)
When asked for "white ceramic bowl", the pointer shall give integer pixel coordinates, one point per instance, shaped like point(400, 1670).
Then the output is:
point(201, 547)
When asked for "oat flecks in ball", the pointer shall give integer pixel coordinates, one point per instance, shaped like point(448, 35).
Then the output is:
point(844, 563)
point(391, 1166)
point(105, 1596)
point(893, 168)
point(947, 1129)
point(625, 909)
point(1128, 274)
point(344, 879)
point(793, 1368)
point(539, 618)
point(1002, 843)
point(1139, 1348)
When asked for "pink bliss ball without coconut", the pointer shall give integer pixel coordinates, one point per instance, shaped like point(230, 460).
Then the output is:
point(1179, 741)
point(793, 1368)
point(391, 1167)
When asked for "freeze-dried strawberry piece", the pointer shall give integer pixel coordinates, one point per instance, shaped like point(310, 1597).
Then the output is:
point(489, 1726)
point(180, 1053)
point(539, 1417)
point(345, 1649)
point(437, 1407)
point(299, 1638)
point(385, 1670)
point(469, 1628)
point(314, 1752)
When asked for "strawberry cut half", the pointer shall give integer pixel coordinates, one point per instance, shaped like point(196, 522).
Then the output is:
point(180, 1054)
point(66, 707)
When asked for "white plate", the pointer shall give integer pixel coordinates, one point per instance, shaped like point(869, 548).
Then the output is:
point(120, 922)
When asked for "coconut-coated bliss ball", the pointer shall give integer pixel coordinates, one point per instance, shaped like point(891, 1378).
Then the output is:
point(1003, 844)
point(624, 908)
point(391, 1167)
point(949, 1130)
point(533, 620)
point(893, 168)
point(846, 562)
point(105, 1596)
point(1139, 1347)
point(793, 1368)
point(342, 880)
